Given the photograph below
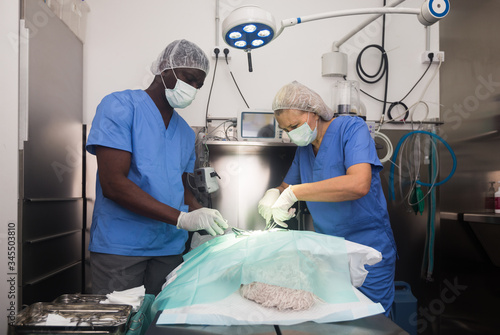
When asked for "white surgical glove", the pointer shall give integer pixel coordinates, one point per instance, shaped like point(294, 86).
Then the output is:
point(267, 202)
point(281, 210)
point(204, 218)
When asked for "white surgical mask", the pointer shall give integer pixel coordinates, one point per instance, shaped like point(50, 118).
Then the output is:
point(303, 135)
point(181, 95)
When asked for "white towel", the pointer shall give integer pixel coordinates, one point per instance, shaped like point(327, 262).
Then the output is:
point(133, 297)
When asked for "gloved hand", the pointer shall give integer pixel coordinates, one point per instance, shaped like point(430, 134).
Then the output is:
point(204, 218)
point(281, 210)
point(267, 202)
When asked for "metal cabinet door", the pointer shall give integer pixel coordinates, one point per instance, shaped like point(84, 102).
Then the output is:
point(52, 155)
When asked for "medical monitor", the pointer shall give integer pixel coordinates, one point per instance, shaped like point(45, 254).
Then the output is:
point(259, 126)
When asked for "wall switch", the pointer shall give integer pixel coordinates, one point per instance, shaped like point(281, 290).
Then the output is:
point(438, 55)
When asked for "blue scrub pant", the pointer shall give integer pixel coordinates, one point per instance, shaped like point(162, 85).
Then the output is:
point(379, 283)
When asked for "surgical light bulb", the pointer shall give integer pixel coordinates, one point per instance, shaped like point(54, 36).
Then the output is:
point(257, 43)
point(264, 33)
point(235, 35)
point(250, 28)
point(240, 44)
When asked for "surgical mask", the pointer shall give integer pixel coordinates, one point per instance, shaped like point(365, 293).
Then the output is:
point(181, 95)
point(303, 135)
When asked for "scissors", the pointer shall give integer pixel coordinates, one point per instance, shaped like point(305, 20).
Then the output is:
point(273, 223)
point(269, 226)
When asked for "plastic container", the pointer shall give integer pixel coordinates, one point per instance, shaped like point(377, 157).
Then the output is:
point(489, 203)
point(346, 97)
point(404, 307)
point(497, 200)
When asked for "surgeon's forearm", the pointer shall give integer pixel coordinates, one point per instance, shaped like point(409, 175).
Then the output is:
point(113, 168)
point(352, 186)
point(189, 198)
point(331, 190)
point(127, 194)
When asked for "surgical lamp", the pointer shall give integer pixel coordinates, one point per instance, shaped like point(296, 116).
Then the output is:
point(250, 27)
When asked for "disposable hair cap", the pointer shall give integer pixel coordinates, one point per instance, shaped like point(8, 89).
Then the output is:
point(297, 96)
point(181, 53)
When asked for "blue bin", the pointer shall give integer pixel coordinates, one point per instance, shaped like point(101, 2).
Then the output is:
point(403, 307)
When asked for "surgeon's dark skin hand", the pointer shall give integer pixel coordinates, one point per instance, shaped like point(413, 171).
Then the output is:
point(114, 164)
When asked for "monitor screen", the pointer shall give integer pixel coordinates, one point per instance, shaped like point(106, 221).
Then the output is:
point(258, 125)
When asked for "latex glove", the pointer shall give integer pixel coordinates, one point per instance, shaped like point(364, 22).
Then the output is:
point(281, 210)
point(267, 202)
point(204, 218)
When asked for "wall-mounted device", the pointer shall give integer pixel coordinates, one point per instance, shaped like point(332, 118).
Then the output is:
point(205, 179)
point(259, 126)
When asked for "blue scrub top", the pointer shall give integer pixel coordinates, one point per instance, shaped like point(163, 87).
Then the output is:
point(130, 121)
point(347, 142)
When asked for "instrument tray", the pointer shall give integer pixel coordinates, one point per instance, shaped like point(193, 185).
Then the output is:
point(85, 318)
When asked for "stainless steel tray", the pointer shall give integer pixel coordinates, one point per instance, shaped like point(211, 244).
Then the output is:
point(88, 318)
point(79, 298)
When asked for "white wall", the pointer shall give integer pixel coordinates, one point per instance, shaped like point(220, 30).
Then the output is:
point(9, 23)
point(124, 36)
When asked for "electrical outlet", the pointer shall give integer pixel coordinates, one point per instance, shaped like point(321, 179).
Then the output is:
point(438, 56)
point(222, 56)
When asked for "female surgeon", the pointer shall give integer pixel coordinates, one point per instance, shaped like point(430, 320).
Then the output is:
point(336, 171)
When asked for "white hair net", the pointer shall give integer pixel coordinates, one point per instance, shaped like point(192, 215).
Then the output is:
point(297, 96)
point(181, 53)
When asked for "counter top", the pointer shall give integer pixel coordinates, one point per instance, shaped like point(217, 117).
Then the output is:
point(491, 218)
point(450, 216)
point(482, 218)
point(250, 143)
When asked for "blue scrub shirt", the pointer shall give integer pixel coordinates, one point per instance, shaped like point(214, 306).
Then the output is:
point(347, 142)
point(130, 121)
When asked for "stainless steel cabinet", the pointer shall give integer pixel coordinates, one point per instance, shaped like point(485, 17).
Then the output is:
point(247, 170)
point(51, 198)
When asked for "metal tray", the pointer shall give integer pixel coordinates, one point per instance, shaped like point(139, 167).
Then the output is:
point(79, 298)
point(90, 318)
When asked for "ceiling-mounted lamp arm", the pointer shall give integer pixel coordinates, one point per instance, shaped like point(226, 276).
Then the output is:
point(349, 12)
point(429, 13)
point(362, 25)
point(363, 11)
